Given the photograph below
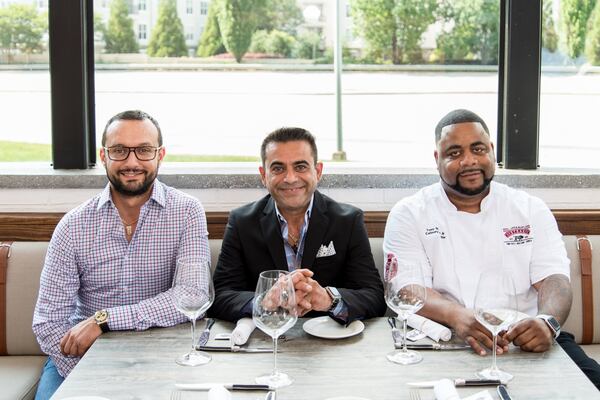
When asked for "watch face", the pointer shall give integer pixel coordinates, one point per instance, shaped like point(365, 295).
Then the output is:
point(101, 316)
point(553, 323)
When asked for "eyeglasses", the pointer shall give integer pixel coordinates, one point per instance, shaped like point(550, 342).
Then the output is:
point(142, 153)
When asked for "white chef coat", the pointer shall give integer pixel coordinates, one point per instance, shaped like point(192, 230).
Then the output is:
point(513, 231)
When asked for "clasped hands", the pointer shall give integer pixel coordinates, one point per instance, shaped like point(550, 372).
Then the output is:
point(530, 334)
point(310, 295)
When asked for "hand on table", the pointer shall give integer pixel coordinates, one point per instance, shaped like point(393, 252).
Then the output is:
point(531, 334)
point(475, 334)
point(79, 338)
point(310, 295)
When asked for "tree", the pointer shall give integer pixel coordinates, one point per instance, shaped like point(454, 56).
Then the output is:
point(592, 42)
point(473, 34)
point(119, 35)
point(393, 28)
point(281, 15)
point(21, 29)
point(549, 36)
point(167, 39)
point(238, 20)
point(574, 15)
point(210, 41)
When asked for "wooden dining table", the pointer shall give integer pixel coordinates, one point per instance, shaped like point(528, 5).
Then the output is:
point(141, 365)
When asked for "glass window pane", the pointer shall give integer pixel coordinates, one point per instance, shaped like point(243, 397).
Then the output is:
point(24, 82)
point(570, 84)
point(394, 91)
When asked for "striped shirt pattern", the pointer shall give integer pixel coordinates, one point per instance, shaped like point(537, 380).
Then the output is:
point(90, 266)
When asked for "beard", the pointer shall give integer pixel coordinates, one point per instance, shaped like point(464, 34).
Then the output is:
point(457, 187)
point(121, 188)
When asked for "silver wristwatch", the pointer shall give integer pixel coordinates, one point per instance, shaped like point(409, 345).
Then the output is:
point(551, 322)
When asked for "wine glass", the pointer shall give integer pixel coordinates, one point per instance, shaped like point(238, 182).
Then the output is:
point(405, 293)
point(495, 308)
point(274, 312)
point(193, 294)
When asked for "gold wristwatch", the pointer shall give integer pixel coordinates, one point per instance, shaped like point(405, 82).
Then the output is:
point(101, 318)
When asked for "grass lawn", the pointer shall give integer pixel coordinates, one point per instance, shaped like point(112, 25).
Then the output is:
point(21, 151)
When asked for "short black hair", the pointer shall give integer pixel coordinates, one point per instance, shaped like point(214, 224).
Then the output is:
point(284, 135)
point(132, 115)
point(457, 117)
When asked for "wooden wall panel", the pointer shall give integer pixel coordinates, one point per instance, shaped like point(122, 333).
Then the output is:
point(34, 227)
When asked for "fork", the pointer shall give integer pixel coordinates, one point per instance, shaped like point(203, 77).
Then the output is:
point(414, 394)
point(175, 395)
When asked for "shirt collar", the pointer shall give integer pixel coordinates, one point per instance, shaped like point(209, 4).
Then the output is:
point(158, 195)
point(485, 202)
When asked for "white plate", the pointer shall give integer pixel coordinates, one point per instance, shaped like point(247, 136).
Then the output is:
point(326, 328)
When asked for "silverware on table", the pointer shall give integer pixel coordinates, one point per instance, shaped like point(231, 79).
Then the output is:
point(435, 346)
point(414, 394)
point(396, 334)
point(503, 392)
point(237, 349)
point(271, 395)
point(205, 335)
point(228, 386)
point(458, 382)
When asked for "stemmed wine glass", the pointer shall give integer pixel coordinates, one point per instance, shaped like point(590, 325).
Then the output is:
point(405, 293)
point(495, 308)
point(193, 294)
point(274, 312)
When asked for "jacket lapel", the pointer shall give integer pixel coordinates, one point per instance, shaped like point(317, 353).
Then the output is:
point(316, 231)
point(272, 234)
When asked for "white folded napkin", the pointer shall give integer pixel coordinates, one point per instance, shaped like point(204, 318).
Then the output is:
point(219, 393)
point(431, 328)
point(242, 331)
point(483, 395)
point(444, 390)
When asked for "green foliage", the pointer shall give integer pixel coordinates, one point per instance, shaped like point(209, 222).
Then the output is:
point(393, 28)
point(259, 41)
point(307, 45)
point(99, 28)
point(210, 41)
point(274, 42)
point(20, 151)
point(167, 39)
point(238, 20)
point(281, 15)
point(592, 42)
point(574, 15)
point(119, 35)
point(474, 32)
point(549, 35)
point(21, 28)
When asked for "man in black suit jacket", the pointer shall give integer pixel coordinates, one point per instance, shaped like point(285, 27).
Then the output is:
point(296, 228)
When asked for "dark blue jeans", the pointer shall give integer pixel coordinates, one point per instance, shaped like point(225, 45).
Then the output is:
point(49, 382)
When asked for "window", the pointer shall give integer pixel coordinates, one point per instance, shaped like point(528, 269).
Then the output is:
point(142, 5)
point(189, 34)
point(570, 93)
point(25, 92)
point(142, 32)
point(189, 7)
point(203, 8)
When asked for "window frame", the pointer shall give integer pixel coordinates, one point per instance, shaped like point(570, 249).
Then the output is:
point(72, 70)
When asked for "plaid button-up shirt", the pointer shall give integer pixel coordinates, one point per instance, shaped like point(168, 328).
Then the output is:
point(90, 266)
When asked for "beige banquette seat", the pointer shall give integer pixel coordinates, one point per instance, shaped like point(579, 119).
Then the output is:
point(22, 359)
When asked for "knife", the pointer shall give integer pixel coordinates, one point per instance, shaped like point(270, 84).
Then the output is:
point(229, 386)
point(503, 392)
point(434, 346)
point(458, 382)
point(237, 349)
point(396, 334)
point(205, 335)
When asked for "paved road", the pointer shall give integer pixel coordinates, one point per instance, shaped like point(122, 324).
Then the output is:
point(387, 116)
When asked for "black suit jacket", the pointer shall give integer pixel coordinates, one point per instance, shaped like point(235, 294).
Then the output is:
point(253, 243)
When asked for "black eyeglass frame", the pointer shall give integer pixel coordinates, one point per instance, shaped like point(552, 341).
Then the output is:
point(131, 149)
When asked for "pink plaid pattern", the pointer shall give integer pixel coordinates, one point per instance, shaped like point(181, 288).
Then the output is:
point(90, 266)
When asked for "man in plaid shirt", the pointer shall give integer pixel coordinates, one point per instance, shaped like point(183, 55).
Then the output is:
point(111, 260)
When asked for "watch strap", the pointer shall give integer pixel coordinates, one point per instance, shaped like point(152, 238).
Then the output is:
point(546, 319)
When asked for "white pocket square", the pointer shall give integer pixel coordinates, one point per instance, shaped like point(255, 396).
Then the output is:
point(326, 251)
